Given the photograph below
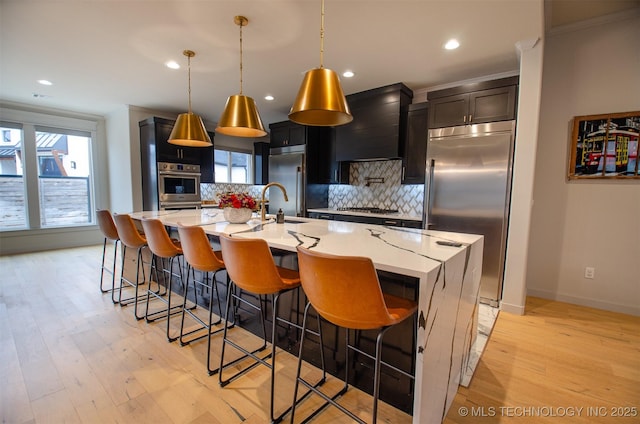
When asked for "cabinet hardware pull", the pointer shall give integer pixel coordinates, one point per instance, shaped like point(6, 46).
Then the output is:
point(470, 118)
point(402, 178)
point(464, 119)
point(431, 166)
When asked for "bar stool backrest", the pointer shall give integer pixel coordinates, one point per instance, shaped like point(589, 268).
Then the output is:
point(128, 232)
point(250, 265)
point(197, 249)
point(158, 239)
point(345, 290)
point(106, 224)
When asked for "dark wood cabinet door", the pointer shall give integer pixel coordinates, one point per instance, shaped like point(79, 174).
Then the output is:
point(287, 133)
point(297, 134)
point(476, 103)
point(260, 163)
point(498, 104)
point(205, 159)
point(159, 135)
point(448, 111)
point(412, 224)
point(414, 148)
point(279, 135)
point(320, 155)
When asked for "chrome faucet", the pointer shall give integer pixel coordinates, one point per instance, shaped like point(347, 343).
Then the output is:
point(263, 213)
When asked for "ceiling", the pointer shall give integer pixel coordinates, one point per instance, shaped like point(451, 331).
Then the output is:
point(104, 54)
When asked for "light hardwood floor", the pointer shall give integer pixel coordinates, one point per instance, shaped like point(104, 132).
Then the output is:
point(68, 355)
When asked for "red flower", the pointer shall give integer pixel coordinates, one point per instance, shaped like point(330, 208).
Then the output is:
point(237, 200)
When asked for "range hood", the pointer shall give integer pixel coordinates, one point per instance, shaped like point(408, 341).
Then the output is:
point(378, 127)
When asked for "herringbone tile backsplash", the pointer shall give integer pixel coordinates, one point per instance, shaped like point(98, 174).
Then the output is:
point(377, 184)
point(371, 184)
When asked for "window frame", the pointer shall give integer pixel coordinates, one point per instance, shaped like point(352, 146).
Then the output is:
point(229, 151)
point(36, 121)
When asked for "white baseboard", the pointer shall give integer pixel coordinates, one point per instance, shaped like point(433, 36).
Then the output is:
point(592, 303)
point(26, 241)
point(512, 309)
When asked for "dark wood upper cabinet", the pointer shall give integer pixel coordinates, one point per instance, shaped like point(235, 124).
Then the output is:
point(286, 133)
point(488, 101)
point(154, 147)
point(321, 166)
point(378, 127)
point(260, 162)
point(414, 148)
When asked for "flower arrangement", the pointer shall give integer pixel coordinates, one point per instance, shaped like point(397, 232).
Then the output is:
point(237, 201)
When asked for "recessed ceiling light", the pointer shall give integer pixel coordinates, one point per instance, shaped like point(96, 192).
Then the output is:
point(172, 64)
point(452, 44)
point(45, 82)
point(269, 97)
point(348, 74)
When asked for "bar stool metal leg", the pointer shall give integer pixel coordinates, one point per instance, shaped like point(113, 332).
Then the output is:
point(135, 299)
point(164, 272)
point(111, 271)
point(208, 326)
point(246, 353)
point(110, 232)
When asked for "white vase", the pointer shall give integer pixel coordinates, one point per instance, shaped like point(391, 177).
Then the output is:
point(237, 215)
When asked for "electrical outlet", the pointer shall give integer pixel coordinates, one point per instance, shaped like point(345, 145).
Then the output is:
point(589, 272)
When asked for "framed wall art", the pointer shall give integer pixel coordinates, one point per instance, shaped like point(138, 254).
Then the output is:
point(605, 146)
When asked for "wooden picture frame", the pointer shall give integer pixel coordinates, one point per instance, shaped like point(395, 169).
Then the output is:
point(605, 146)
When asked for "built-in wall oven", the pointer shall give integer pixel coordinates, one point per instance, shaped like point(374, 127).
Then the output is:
point(178, 186)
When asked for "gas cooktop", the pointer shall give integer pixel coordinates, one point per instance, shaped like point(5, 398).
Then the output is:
point(369, 210)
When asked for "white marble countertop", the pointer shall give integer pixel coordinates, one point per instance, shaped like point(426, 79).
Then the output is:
point(406, 251)
point(377, 215)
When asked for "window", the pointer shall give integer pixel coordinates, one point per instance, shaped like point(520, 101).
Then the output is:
point(63, 177)
point(45, 175)
point(233, 167)
point(13, 210)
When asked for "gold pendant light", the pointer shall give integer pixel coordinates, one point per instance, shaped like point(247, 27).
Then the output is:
point(320, 101)
point(240, 117)
point(189, 129)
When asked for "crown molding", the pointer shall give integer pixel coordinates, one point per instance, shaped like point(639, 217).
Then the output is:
point(600, 20)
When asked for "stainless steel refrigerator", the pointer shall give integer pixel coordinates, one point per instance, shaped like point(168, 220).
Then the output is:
point(468, 190)
point(286, 166)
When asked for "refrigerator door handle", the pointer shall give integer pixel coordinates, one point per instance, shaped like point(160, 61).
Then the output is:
point(431, 165)
point(298, 190)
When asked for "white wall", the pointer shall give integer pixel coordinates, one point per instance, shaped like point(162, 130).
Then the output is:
point(125, 176)
point(581, 223)
point(524, 159)
point(119, 187)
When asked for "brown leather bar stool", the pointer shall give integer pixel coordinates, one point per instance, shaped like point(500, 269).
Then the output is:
point(251, 268)
point(200, 256)
point(345, 291)
point(130, 238)
point(110, 232)
point(165, 253)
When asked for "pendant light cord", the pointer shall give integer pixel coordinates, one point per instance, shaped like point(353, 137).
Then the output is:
point(189, 79)
point(321, 33)
point(241, 25)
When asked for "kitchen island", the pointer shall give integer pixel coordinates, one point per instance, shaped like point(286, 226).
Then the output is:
point(448, 279)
